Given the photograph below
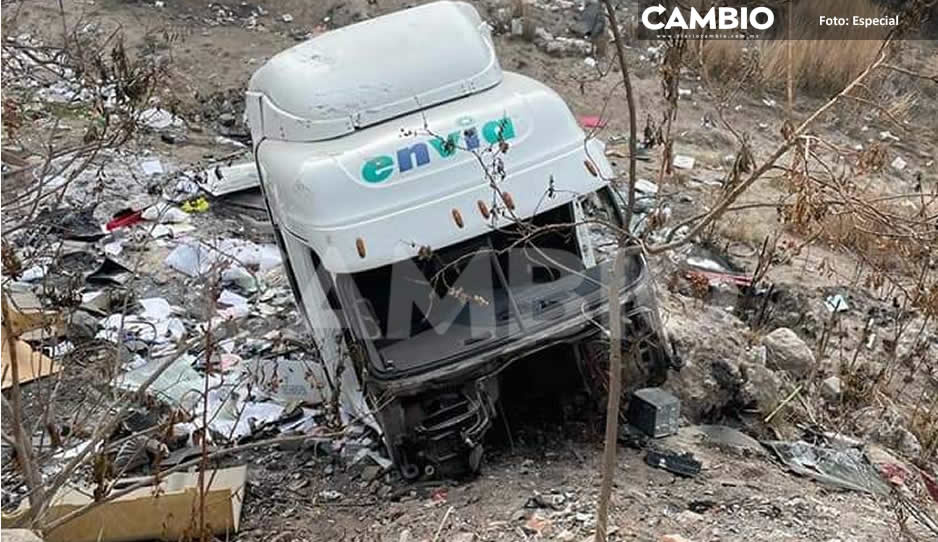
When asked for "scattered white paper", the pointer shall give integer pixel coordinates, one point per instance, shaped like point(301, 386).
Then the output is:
point(151, 167)
point(683, 162)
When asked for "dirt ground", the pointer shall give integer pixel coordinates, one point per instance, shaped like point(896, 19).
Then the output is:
point(301, 494)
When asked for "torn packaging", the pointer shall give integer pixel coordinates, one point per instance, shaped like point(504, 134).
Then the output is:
point(845, 468)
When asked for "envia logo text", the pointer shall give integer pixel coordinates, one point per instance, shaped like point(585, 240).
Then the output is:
point(381, 167)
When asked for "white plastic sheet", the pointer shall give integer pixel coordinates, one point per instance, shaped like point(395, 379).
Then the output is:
point(195, 258)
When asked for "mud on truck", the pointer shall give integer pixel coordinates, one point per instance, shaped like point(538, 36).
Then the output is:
point(439, 219)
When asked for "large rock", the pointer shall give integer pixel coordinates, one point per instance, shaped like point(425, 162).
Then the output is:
point(761, 387)
point(785, 351)
point(709, 341)
point(886, 426)
point(831, 389)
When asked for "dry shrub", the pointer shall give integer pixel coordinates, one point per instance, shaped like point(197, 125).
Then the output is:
point(822, 61)
point(879, 244)
point(749, 227)
point(925, 428)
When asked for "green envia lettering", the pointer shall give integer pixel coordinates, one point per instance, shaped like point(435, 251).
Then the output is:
point(380, 168)
point(446, 147)
point(498, 130)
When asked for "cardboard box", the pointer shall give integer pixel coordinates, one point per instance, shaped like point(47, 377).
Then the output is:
point(165, 512)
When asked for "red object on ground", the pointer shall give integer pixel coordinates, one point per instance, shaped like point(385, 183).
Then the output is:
point(592, 121)
point(894, 474)
point(124, 218)
point(930, 485)
point(738, 280)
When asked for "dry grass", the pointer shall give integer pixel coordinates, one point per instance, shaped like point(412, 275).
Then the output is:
point(822, 61)
point(749, 227)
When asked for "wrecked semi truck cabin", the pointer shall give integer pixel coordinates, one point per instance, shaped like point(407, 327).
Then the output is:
point(439, 219)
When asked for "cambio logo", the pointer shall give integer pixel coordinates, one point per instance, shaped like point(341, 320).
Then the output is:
point(721, 18)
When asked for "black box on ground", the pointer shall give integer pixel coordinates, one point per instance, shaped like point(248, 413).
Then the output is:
point(655, 411)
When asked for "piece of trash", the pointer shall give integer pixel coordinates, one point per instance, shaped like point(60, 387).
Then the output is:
point(769, 102)
point(685, 465)
point(195, 258)
point(34, 273)
point(227, 362)
point(592, 121)
point(234, 312)
point(97, 302)
point(517, 26)
point(234, 418)
point(287, 380)
point(590, 61)
point(241, 278)
point(114, 248)
point(716, 277)
point(179, 385)
point(646, 187)
point(537, 523)
point(151, 167)
point(836, 303)
point(164, 213)
point(287, 18)
point(197, 205)
point(127, 217)
point(222, 140)
point(162, 511)
point(154, 326)
point(887, 135)
point(229, 298)
point(899, 164)
point(155, 308)
point(655, 411)
point(330, 495)
point(683, 162)
point(30, 364)
point(182, 190)
point(227, 179)
point(684, 92)
point(110, 272)
point(159, 119)
point(846, 468)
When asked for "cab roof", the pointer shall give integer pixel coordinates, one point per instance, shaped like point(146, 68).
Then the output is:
point(381, 194)
point(372, 71)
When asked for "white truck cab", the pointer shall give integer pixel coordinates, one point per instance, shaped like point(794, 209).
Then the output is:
point(439, 218)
